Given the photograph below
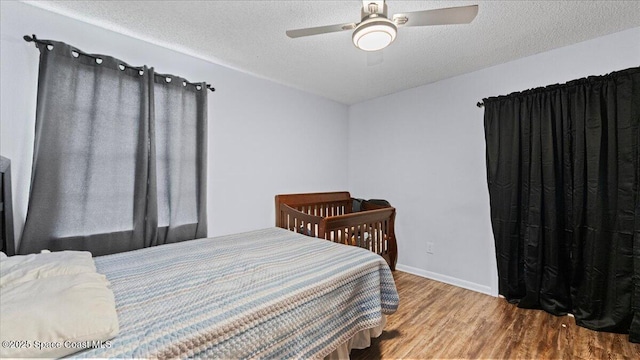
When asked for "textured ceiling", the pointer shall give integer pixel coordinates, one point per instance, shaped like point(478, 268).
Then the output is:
point(250, 36)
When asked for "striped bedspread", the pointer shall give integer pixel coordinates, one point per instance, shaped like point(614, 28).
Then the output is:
point(269, 293)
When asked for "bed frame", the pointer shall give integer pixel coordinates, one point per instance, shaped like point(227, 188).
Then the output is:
point(330, 216)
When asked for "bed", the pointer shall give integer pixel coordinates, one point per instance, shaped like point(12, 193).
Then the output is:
point(269, 293)
point(330, 216)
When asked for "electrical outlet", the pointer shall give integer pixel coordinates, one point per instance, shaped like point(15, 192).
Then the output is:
point(429, 248)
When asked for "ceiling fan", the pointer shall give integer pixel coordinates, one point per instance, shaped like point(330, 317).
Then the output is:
point(375, 31)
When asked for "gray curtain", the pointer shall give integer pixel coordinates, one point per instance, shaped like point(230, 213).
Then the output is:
point(180, 152)
point(95, 184)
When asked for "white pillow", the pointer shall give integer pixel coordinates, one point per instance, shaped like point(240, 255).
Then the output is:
point(21, 268)
point(61, 310)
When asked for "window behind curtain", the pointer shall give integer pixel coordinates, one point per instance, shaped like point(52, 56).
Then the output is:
point(176, 156)
point(91, 145)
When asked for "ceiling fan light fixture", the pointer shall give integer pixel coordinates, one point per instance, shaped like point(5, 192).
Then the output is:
point(374, 34)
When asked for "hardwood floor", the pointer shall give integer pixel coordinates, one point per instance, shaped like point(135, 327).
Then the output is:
point(440, 321)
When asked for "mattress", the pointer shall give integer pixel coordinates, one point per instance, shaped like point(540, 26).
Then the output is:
point(269, 293)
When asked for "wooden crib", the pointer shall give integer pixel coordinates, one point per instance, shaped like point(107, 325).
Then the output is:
point(330, 216)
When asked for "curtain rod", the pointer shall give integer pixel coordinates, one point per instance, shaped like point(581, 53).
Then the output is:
point(34, 39)
point(480, 104)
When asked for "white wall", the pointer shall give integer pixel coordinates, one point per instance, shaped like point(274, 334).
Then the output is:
point(260, 133)
point(423, 149)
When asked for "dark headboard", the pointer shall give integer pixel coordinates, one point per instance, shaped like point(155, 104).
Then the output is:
point(7, 244)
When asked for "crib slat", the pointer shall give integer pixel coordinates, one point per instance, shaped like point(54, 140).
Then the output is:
point(381, 242)
point(367, 242)
point(374, 236)
point(377, 243)
point(386, 231)
point(379, 237)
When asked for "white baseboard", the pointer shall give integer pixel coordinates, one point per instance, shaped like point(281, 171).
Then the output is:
point(445, 279)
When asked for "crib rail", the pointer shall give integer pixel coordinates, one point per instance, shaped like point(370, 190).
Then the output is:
point(299, 222)
point(325, 209)
point(372, 230)
point(318, 204)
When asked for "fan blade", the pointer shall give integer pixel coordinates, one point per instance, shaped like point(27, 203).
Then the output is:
point(446, 16)
point(319, 30)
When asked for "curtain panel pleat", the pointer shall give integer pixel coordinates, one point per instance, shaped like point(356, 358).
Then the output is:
point(563, 170)
point(94, 183)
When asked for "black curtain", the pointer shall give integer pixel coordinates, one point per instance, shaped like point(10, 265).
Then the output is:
point(563, 170)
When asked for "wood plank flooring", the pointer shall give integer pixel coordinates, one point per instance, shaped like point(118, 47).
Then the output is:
point(440, 321)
